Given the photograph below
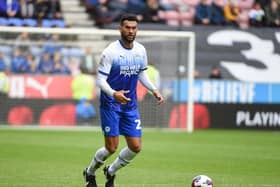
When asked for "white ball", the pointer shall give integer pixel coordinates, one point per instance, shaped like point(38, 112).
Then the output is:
point(202, 181)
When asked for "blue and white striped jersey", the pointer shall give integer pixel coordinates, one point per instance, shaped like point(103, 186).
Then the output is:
point(122, 67)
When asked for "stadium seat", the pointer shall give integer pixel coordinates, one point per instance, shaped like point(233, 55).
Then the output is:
point(71, 52)
point(64, 52)
point(20, 115)
point(15, 22)
point(18, 22)
point(36, 51)
point(245, 4)
point(30, 22)
point(76, 52)
point(171, 1)
point(59, 23)
point(3, 21)
point(187, 17)
point(192, 3)
point(53, 23)
point(222, 2)
point(57, 115)
point(171, 17)
point(244, 19)
point(46, 23)
point(167, 5)
point(6, 50)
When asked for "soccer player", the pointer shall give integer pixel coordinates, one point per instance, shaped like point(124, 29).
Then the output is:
point(122, 64)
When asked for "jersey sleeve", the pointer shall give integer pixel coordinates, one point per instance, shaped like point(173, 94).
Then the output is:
point(104, 69)
point(145, 60)
point(105, 64)
point(145, 80)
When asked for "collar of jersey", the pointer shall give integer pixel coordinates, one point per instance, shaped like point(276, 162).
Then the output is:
point(124, 45)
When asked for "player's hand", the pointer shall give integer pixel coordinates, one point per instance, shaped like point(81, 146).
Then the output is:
point(120, 96)
point(158, 96)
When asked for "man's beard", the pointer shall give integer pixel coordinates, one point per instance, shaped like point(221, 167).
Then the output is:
point(127, 38)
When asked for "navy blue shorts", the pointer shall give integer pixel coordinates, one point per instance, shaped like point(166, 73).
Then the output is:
point(125, 123)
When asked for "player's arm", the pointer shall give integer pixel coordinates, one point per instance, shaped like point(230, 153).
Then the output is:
point(105, 87)
point(104, 68)
point(103, 84)
point(145, 80)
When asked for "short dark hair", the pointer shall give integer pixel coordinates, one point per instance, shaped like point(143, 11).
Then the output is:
point(128, 17)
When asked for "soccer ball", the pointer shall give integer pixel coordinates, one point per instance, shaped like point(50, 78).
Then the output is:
point(202, 181)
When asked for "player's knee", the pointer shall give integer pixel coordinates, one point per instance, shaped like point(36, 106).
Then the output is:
point(112, 149)
point(135, 148)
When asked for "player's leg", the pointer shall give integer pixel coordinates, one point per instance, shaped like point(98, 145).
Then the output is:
point(130, 127)
point(126, 155)
point(111, 145)
point(98, 160)
point(109, 124)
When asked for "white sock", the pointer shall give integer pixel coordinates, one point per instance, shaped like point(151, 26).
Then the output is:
point(124, 158)
point(98, 160)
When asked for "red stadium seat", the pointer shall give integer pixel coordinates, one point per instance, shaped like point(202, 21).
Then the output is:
point(172, 17)
point(20, 115)
point(192, 3)
point(245, 4)
point(222, 2)
point(244, 19)
point(187, 17)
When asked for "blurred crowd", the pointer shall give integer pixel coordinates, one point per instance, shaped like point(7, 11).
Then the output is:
point(48, 56)
point(243, 13)
point(51, 57)
point(46, 13)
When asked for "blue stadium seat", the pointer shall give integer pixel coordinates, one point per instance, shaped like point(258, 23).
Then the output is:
point(53, 23)
point(6, 50)
point(64, 51)
point(15, 22)
point(18, 22)
point(76, 52)
point(46, 23)
point(3, 21)
point(36, 51)
point(30, 22)
point(59, 23)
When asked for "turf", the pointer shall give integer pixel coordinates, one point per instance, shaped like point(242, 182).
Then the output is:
point(48, 158)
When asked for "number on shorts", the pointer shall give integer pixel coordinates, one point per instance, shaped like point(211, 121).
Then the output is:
point(138, 124)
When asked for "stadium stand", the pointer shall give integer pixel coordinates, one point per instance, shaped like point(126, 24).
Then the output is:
point(87, 13)
point(31, 13)
point(75, 15)
point(173, 14)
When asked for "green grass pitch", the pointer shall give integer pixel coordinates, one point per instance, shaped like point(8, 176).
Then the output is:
point(56, 158)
